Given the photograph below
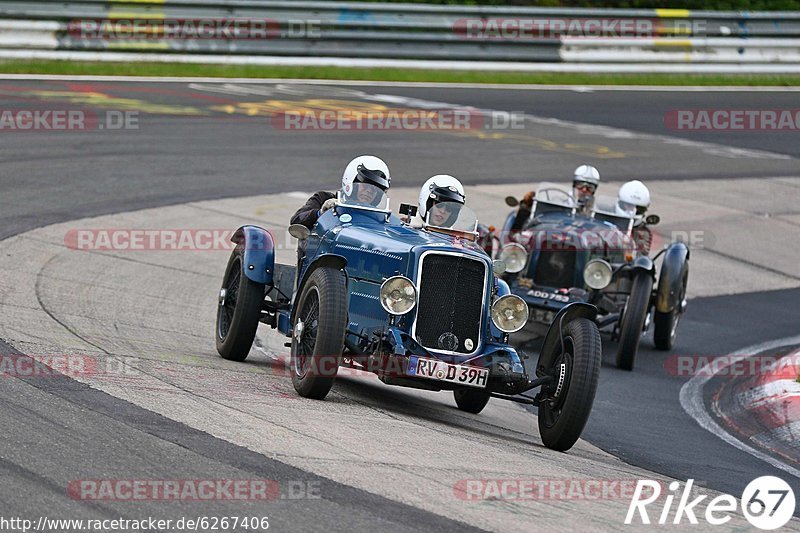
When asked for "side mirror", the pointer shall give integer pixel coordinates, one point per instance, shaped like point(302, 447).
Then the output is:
point(299, 232)
point(652, 220)
point(511, 201)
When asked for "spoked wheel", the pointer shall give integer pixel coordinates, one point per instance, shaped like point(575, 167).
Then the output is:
point(239, 310)
point(318, 333)
point(632, 321)
point(471, 401)
point(565, 403)
point(666, 324)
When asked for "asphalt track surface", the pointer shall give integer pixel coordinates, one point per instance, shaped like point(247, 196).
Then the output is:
point(49, 428)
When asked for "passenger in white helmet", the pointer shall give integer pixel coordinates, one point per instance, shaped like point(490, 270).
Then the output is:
point(440, 201)
point(633, 200)
point(365, 181)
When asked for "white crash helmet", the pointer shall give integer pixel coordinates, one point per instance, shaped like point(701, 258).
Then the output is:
point(440, 188)
point(586, 174)
point(633, 198)
point(366, 169)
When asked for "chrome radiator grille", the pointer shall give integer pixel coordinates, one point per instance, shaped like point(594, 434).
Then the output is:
point(451, 299)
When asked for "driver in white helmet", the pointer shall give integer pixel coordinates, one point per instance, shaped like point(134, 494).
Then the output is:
point(633, 200)
point(584, 185)
point(362, 180)
point(585, 180)
point(440, 201)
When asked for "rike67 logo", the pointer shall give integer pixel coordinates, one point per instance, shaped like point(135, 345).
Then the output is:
point(767, 503)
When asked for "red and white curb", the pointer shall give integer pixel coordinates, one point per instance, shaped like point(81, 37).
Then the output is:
point(765, 409)
point(760, 415)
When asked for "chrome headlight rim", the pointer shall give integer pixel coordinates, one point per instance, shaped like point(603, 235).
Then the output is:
point(504, 300)
point(504, 253)
point(608, 277)
point(383, 295)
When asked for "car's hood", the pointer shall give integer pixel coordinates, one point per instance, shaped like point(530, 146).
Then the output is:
point(377, 251)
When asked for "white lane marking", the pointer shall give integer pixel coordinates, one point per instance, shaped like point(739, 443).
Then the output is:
point(581, 88)
point(408, 84)
point(691, 397)
point(493, 66)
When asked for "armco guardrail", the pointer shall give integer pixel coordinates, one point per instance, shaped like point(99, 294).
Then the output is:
point(400, 31)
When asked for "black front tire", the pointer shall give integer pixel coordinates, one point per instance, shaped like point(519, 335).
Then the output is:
point(317, 345)
point(564, 409)
point(471, 401)
point(238, 315)
point(633, 317)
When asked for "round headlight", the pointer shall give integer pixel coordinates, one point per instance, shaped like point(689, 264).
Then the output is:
point(597, 274)
point(398, 295)
point(514, 256)
point(509, 313)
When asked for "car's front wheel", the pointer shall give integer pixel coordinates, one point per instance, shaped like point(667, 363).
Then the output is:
point(318, 333)
point(632, 322)
point(565, 403)
point(238, 310)
point(471, 401)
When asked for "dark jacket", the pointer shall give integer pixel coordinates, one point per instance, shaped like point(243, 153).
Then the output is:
point(523, 214)
point(309, 213)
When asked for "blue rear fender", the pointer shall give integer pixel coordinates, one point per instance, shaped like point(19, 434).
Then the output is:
point(258, 253)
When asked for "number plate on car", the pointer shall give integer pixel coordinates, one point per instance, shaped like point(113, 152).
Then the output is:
point(471, 376)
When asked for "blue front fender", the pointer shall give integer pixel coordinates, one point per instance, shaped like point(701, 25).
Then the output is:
point(258, 253)
point(556, 331)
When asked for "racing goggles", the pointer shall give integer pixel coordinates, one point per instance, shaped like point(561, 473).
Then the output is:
point(584, 186)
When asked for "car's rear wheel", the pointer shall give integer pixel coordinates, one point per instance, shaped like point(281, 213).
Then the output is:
point(666, 324)
point(565, 403)
point(239, 310)
point(471, 401)
point(632, 322)
point(318, 333)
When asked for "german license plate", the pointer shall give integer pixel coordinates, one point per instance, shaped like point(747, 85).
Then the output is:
point(470, 376)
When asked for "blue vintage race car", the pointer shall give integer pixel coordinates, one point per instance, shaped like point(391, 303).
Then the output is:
point(560, 257)
point(419, 307)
